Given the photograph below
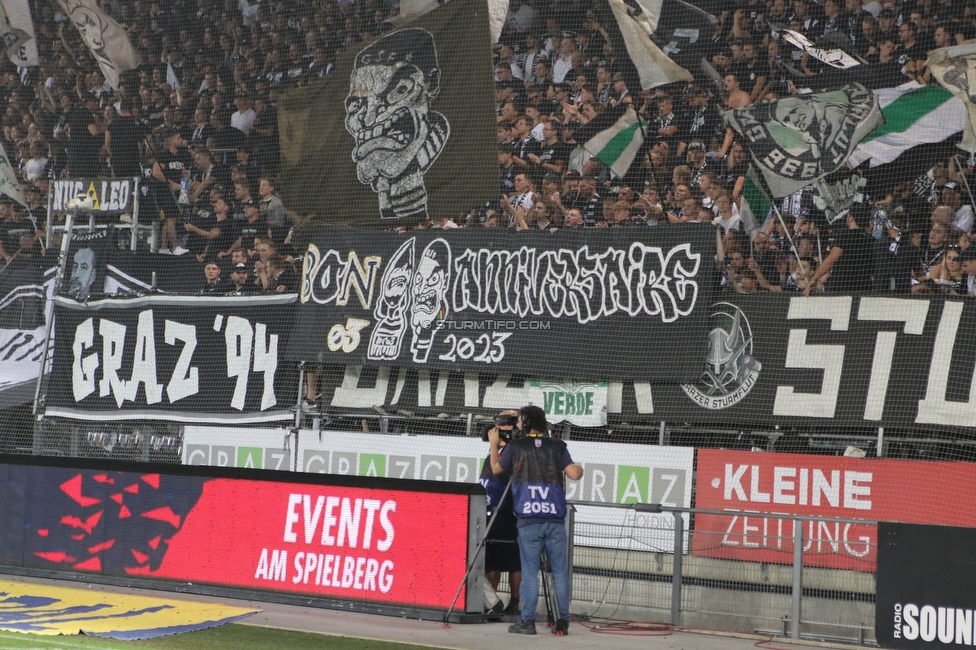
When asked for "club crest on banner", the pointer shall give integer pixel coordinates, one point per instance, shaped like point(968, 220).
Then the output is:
point(795, 142)
point(730, 370)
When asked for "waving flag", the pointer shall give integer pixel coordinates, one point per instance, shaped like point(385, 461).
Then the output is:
point(18, 33)
point(104, 37)
point(913, 115)
point(797, 141)
point(614, 138)
point(955, 69)
point(654, 68)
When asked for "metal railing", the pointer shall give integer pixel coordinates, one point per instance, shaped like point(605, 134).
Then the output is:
point(741, 576)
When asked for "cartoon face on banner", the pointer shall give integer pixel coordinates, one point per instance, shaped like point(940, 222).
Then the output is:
point(429, 296)
point(398, 136)
point(392, 304)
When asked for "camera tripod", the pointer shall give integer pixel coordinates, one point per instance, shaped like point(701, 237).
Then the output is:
point(474, 559)
point(549, 591)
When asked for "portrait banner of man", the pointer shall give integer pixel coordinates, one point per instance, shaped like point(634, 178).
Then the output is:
point(85, 269)
point(797, 141)
point(396, 130)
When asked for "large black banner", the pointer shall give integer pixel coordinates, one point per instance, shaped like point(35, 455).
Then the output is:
point(403, 127)
point(925, 596)
point(869, 361)
point(589, 305)
point(213, 359)
point(838, 361)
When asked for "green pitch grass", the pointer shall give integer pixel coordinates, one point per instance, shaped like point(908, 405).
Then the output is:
point(225, 637)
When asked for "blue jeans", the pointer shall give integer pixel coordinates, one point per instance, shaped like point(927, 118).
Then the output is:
point(533, 539)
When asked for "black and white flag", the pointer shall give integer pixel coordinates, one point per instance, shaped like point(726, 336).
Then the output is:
point(17, 32)
point(106, 39)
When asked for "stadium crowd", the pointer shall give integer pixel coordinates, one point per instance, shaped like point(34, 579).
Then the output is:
point(202, 109)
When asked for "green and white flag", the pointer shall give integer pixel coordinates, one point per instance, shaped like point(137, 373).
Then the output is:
point(913, 115)
point(796, 141)
point(614, 138)
point(753, 204)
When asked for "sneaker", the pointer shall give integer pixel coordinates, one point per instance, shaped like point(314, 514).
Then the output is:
point(562, 627)
point(164, 251)
point(179, 250)
point(495, 612)
point(522, 627)
point(125, 218)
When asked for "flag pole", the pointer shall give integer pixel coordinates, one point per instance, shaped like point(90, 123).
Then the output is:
point(955, 159)
point(640, 122)
point(764, 188)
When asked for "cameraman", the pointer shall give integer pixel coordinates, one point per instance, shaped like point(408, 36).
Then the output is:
point(501, 544)
point(537, 463)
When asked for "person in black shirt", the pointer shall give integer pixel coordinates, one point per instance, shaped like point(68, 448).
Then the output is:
point(587, 201)
point(666, 123)
point(697, 163)
point(525, 143)
point(911, 54)
point(122, 140)
point(506, 168)
point(752, 72)
point(733, 169)
point(173, 163)
point(554, 156)
point(850, 261)
point(885, 70)
point(854, 15)
point(886, 25)
point(240, 280)
point(212, 284)
point(700, 120)
point(36, 209)
point(252, 227)
point(229, 231)
point(202, 130)
point(833, 21)
point(84, 139)
point(226, 139)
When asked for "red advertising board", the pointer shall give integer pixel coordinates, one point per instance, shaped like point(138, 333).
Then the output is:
point(755, 484)
point(367, 544)
point(365, 541)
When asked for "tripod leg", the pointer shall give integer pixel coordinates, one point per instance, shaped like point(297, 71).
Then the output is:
point(549, 591)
